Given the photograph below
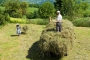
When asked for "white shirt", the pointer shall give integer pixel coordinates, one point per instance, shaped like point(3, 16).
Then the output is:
point(59, 18)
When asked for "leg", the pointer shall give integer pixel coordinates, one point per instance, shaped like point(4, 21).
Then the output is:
point(60, 27)
point(57, 27)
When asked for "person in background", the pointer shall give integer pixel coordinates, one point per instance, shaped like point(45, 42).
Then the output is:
point(58, 21)
point(18, 29)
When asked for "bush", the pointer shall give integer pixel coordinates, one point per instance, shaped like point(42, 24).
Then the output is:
point(16, 15)
point(82, 22)
point(36, 14)
point(2, 19)
point(46, 10)
point(86, 13)
point(7, 17)
point(30, 15)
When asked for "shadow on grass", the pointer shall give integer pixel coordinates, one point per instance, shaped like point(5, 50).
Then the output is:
point(13, 35)
point(23, 33)
point(34, 53)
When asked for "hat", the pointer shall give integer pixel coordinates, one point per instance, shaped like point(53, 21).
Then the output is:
point(17, 24)
point(58, 11)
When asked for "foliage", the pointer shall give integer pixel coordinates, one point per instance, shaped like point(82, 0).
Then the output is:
point(32, 15)
point(72, 8)
point(24, 6)
point(81, 9)
point(16, 8)
point(86, 13)
point(58, 4)
point(46, 10)
point(2, 19)
point(82, 22)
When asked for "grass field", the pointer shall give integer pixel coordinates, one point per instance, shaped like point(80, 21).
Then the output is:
point(14, 47)
point(31, 9)
point(2, 8)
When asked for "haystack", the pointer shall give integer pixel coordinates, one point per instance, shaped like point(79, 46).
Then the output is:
point(57, 43)
point(24, 29)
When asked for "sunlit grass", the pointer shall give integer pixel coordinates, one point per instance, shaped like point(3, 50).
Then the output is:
point(18, 20)
point(16, 47)
point(31, 9)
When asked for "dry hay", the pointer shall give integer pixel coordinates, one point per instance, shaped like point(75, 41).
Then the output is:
point(58, 43)
point(24, 29)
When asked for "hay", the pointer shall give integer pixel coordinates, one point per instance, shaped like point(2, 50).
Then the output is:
point(58, 43)
point(24, 29)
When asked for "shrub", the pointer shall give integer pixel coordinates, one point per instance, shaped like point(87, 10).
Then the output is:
point(2, 19)
point(7, 17)
point(82, 22)
point(30, 15)
point(46, 10)
point(16, 15)
point(86, 13)
point(36, 14)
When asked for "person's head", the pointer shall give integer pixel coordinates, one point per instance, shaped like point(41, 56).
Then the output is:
point(17, 24)
point(58, 12)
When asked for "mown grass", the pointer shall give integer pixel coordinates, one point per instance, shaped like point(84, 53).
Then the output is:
point(16, 47)
point(81, 50)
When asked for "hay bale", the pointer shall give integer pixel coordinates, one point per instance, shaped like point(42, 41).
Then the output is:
point(24, 29)
point(58, 43)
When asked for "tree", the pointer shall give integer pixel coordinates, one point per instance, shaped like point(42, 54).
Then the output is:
point(2, 19)
point(71, 8)
point(12, 7)
point(23, 7)
point(58, 4)
point(16, 8)
point(46, 10)
point(67, 7)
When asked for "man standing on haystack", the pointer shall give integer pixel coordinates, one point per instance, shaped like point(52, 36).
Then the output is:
point(58, 21)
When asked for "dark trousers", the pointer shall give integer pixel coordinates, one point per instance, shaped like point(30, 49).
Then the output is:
point(58, 26)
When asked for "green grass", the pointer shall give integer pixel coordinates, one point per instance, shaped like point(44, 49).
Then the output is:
point(31, 9)
point(16, 47)
point(18, 20)
point(2, 8)
point(82, 22)
point(39, 21)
